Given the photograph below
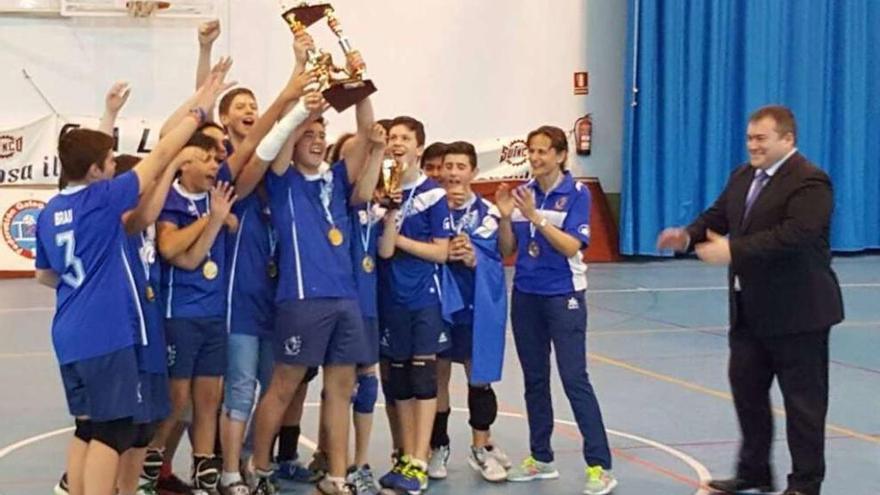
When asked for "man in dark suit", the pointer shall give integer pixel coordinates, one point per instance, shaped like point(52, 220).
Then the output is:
point(784, 298)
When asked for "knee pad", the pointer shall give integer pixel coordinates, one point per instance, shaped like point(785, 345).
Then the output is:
point(144, 435)
point(118, 434)
point(398, 380)
point(367, 393)
point(153, 464)
point(206, 472)
point(83, 430)
point(483, 407)
point(423, 378)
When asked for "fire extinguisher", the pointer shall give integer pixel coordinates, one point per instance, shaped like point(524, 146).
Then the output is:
point(583, 134)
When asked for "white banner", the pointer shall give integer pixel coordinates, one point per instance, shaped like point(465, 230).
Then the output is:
point(19, 208)
point(27, 153)
point(508, 158)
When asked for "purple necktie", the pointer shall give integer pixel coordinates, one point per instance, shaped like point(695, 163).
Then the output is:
point(758, 184)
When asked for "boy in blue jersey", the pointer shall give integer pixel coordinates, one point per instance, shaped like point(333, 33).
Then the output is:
point(81, 253)
point(318, 321)
point(410, 313)
point(475, 264)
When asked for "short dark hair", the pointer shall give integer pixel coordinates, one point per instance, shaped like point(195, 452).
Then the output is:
point(336, 149)
point(385, 123)
point(226, 100)
point(79, 149)
point(411, 124)
point(125, 163)
point(201, 141)
point(558, 139)
point(434, 150)
point(211, 125)
point(463, 148)
point(782, 115)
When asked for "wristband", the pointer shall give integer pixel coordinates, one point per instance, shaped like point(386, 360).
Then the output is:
point(199, 114)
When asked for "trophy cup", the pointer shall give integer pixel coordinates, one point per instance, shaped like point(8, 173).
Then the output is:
point(342, 87)
point(391, 183)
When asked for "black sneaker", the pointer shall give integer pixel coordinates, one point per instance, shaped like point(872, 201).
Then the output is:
point(61, 488)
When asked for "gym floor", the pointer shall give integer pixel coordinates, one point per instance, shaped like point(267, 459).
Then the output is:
point(657, 352)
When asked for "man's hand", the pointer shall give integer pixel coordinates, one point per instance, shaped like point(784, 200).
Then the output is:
point(208, 32)
point(716, 249)
point(378, 137)
point(116, 97)
point(504, 200)
point(214, 85)
point(231, 223)
point(315, 104)
point(222, 198)
point(296, 87)
point(302, 43)
point(674, 238)
point(355, 62)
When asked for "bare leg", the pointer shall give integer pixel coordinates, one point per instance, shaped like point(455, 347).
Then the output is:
point(270, 410)
point(338, 385)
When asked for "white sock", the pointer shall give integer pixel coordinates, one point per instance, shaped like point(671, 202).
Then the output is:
point(227, 479)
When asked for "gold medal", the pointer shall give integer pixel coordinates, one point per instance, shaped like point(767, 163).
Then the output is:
point(150, 293)
point(534, 249)
point(272, 269)
point(335, 236)
point(368, 263)
point(210, 270)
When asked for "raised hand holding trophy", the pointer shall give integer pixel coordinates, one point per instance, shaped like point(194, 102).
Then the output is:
point(342, 87)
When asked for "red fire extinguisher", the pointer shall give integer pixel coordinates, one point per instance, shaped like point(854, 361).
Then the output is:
point(583, 134)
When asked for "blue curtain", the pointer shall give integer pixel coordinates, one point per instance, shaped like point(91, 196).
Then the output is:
point(702, 66)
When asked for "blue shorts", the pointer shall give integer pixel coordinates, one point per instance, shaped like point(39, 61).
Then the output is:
point(103, 388)
point(412, 332)
point(462, 348)
point(371, 350)
point(250, 363)
point(316, 332)
point(196, 347)
point(156, 398)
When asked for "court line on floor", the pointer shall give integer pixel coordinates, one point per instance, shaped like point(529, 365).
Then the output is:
point(716, 393)
point(634, 290)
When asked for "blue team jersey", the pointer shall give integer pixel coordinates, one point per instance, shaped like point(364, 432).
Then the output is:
point(407, 280)
point(309, 266)
point(187, 293)
point(478, 218)
point(144, 262)
point(80, 237)
point(252, 256)
point(550, 273)
point(366, 219)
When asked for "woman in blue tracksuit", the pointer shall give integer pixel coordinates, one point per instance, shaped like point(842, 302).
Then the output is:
point(546, 221)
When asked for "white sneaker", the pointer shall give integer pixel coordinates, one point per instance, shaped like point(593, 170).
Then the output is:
point(437, 463)
point(599, 481)
point(496, 452)
point(533, 469)
point(482, 461)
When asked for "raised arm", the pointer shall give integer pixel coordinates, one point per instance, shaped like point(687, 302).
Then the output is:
point(151, 201)
point(208, 33)
point(113, 103)
point(151, 166)
point(369, 177)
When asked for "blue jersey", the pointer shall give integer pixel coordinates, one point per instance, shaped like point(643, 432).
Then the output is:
point(408, 280)
point(188, 293)
point(252, 269)
point(309, 265)
point(143, 260)
point(366, 228)
point(478, 218)
point(550, 273)
point(81, 238)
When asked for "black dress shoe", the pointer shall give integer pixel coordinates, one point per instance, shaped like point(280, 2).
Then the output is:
point(735, 485)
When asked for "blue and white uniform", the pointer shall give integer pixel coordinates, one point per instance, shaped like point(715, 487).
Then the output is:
point(367, 223)
point(318, 320)
point(409, 287)
point(152, 358)
point(81, 238)
point(549, 306)
point(250, 313)
point(195, 305)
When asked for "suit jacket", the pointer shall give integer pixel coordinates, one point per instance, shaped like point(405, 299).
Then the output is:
point(781, 253)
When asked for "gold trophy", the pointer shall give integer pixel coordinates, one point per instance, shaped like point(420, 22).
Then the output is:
point(391, 183)
point(342, 87)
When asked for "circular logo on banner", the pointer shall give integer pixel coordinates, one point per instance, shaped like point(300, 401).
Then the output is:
point(20, 227)
point(514, 153)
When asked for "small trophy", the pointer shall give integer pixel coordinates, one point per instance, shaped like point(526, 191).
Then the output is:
point(391, 183)
point(342, 87)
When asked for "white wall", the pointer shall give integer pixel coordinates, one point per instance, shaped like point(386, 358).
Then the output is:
point(469, 69)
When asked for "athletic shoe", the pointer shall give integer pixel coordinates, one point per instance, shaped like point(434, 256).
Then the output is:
point(171, 484)
point(482, 461)
point(295, 471)
point(146, 487)
point(319, 465)
point(599, 481)
point(401, 478)
point(438, 462)
point(265, 486)
point(329, 487)
point(61, 488)
point(496, 452)
point(419, 471)
point(362, 480)
point(531, 469)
